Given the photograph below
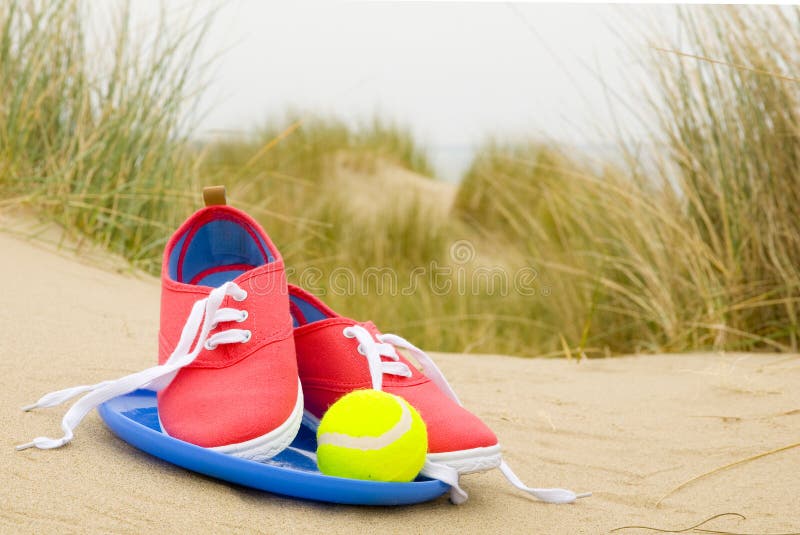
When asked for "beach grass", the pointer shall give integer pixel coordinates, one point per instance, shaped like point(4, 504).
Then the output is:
point(701, 251)
point(729, 112)
point(90, 138)
point(538, 251)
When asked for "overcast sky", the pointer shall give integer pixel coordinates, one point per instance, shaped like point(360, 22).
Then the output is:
point(454, 73)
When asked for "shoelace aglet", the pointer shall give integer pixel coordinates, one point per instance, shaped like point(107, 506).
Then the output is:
point(555, 496)
point(44, 443)
point(30, 407)
point(545, 495)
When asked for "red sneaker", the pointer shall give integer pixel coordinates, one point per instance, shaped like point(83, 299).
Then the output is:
point(241, 395)
point(336, 355)
point(227, 376)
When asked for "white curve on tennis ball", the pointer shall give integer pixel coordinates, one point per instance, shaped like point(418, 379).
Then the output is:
point(402, 427)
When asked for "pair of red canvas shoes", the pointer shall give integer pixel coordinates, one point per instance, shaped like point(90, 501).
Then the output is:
point(245, 358)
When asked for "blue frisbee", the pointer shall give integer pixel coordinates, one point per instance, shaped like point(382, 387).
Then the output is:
point(134, 418)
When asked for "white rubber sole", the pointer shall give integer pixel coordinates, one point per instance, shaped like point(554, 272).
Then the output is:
point(463, 461)
point(266, 446)
point(469, 461)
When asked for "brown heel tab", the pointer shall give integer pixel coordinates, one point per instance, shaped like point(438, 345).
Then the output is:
point(214, 195)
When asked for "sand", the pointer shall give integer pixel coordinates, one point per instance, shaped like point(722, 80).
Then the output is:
point(629, 429)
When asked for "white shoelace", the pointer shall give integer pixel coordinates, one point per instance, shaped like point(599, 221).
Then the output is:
point(205, 315)
point(383, 345)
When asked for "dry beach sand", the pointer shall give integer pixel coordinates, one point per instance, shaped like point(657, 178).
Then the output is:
point(630, 429)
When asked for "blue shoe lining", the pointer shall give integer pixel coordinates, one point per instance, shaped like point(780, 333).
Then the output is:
point(309, 311)
point(219, 278)
point(218, 243)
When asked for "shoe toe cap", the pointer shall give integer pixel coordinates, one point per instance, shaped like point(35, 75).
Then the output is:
point(220, 407)
point(451, 427)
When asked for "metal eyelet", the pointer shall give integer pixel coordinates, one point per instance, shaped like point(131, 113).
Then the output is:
point(209, 346)
point(248, 335)
point(244, 317)
point(361, 350)
point(240, 299)
point(348, 333)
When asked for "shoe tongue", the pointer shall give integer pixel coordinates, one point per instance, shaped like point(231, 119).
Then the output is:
point(263, 282)
point(259, 278)
point(333, 327)
point(368, 325)
point(387, 378)
point(342, 321)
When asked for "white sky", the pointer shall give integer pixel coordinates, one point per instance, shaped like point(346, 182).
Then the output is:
point(454, 73)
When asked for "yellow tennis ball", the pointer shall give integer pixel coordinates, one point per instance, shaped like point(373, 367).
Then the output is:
point(369, 434)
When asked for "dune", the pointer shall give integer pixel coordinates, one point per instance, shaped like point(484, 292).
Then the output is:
point(630, 429)
point(373, 188)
